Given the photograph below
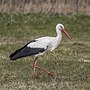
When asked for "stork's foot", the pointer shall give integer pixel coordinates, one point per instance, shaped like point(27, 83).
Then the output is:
point(51, 74)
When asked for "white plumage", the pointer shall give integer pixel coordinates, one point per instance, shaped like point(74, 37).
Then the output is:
point(40, 45)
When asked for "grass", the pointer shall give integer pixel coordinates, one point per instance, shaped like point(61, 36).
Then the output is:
point(70, 61)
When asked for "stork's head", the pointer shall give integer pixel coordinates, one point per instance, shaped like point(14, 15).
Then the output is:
point(61, 28)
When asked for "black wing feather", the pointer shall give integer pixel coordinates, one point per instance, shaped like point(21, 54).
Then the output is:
point(25, 51)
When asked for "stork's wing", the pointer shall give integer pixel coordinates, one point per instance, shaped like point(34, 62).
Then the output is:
point(32, 48)
point(39, 43)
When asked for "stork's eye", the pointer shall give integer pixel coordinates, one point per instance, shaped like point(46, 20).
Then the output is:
point(61, 27)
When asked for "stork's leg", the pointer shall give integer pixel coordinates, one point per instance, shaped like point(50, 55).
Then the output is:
point(49, 73)
point(35, 66)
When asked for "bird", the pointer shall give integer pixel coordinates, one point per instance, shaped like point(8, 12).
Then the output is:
point(39, 46)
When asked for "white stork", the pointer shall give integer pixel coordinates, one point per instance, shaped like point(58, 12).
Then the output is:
point(39, 46)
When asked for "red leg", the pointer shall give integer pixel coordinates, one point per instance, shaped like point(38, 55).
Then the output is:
point(49, 73)
point(35, 66)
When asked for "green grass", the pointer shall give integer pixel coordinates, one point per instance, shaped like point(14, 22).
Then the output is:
point(70, 62)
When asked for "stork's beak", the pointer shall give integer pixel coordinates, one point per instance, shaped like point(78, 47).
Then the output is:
point(65, 32)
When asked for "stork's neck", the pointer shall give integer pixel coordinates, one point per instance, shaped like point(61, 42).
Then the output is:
point(59, 34)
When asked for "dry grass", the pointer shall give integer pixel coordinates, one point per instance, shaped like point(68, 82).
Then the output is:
point(66, 7)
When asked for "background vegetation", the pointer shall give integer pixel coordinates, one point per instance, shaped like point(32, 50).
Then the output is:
point(62, 7)
point(70, 62)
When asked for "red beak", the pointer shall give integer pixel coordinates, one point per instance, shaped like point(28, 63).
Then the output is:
point(65, 32)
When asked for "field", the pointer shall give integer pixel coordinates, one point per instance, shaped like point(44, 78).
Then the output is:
point(70, 62)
